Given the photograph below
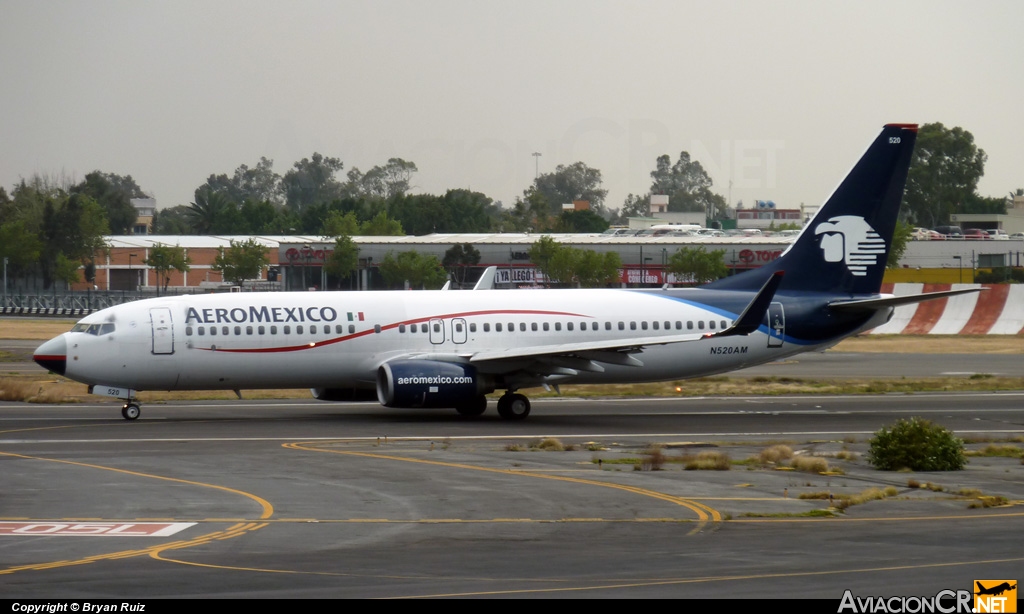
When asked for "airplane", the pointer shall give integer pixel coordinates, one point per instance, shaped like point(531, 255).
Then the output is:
point(448, 349)
point(998, 589)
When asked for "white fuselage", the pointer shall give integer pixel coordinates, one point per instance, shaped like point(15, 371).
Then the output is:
point(339, 339)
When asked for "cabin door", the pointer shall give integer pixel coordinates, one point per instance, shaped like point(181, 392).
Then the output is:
point(163, 331)
point(437, 331)
point(459, 333)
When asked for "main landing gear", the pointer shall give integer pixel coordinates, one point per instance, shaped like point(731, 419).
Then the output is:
point(513, 406)
point(131, 410)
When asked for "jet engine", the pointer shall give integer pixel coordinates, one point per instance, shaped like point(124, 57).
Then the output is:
point(429, 383)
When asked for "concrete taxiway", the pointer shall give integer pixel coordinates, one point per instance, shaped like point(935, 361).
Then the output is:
point(283, 499)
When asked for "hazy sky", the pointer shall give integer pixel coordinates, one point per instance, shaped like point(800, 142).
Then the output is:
point(779, 97)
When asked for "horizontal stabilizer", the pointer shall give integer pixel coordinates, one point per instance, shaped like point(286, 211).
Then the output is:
point(874, 304)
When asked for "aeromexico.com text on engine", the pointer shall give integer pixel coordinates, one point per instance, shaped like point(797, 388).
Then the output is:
point(274, 315)
point(433, 379)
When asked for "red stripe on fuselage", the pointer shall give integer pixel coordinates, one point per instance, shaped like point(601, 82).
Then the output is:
point(315, 344)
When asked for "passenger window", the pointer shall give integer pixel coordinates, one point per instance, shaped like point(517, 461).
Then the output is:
point(298, 329)
point(401, 328)
point(622, 326)
point(700, 325)
point(287, 329)
point(632, 326)
point(558, 326)
point(201, 331)
point(248, 330)
point(188, 331)
point(546, 327)
point(607, 326)
point(711, 324)
point(689, 325)
point(522, 327)
point(261, 330)
point(472, 327)
point(352, 328)
point(458, 327)
point(273, 330)
point(643, 325)
point(312, 329)
point(655, 324)
point(376, 328)
point(213, 331)
point(724, 324)
point(679, 325)
point(533, 326)
point(224, 330)
point(568, 326)
point(497, 327)
point(487, 327)
point(437, 327)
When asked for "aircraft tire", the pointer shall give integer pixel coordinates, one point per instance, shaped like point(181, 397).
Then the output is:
point(474, 408)
point(513, 407)
point(131, 411)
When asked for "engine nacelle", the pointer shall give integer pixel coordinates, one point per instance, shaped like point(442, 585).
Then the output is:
point(429, 383)
point(344, 395)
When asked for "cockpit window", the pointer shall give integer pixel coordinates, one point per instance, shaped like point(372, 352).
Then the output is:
point(93, 329)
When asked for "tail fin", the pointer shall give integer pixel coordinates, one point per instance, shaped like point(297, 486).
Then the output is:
point(845, 247)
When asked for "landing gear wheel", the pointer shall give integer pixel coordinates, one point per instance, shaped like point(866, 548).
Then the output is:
point(513, 406)
point(473, 408)
point(131, 411)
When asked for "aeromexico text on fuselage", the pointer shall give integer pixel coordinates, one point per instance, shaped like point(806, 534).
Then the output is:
point(272, 315)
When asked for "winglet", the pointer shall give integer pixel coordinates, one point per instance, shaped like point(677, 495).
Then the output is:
point(751, 318)
point(486, 281)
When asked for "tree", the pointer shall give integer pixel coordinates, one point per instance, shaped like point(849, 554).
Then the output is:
point(213, 212)
point(114, 194)
point(338, 224)
point(382, 226)
point(257, 184)
point(900, 237)
point(568, 183)
point(697, 264)
point(569, 265)
point(243, 260)
point(417, 269)
point(581, 221)
point(636, 206)
point(392, 179)
point(344, 260)
point(944, 173)
point(311, 181)
point(173, 221)
point(687, 185)
point(594, 270)
point(918, 445)
point(457, 258)
point(163, 259)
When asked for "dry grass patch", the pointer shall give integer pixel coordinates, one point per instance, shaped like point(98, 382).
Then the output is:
point(932, 344)
point(774, 455)
point(809, 464)
point(39, 329)
point(709, 460)
point(548, 444)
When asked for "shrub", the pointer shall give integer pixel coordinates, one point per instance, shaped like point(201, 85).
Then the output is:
point(918, 445)
point(810, 464)
point(710, 460)
point(773, 455)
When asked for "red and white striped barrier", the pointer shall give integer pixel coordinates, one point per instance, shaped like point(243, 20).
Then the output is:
point(999, 310)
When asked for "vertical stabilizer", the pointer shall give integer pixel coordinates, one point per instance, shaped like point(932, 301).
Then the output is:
point(845, 247)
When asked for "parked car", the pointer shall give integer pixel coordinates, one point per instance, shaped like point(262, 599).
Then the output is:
point(1017, 236)
point(950, 232)
point(999, 235)
point(976, 233)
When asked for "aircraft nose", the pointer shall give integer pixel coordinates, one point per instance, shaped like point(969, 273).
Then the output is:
point(53, 355)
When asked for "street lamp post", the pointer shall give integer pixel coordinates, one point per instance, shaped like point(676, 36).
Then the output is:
point(536, 164)
point(308, 252)
point(131, 278)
